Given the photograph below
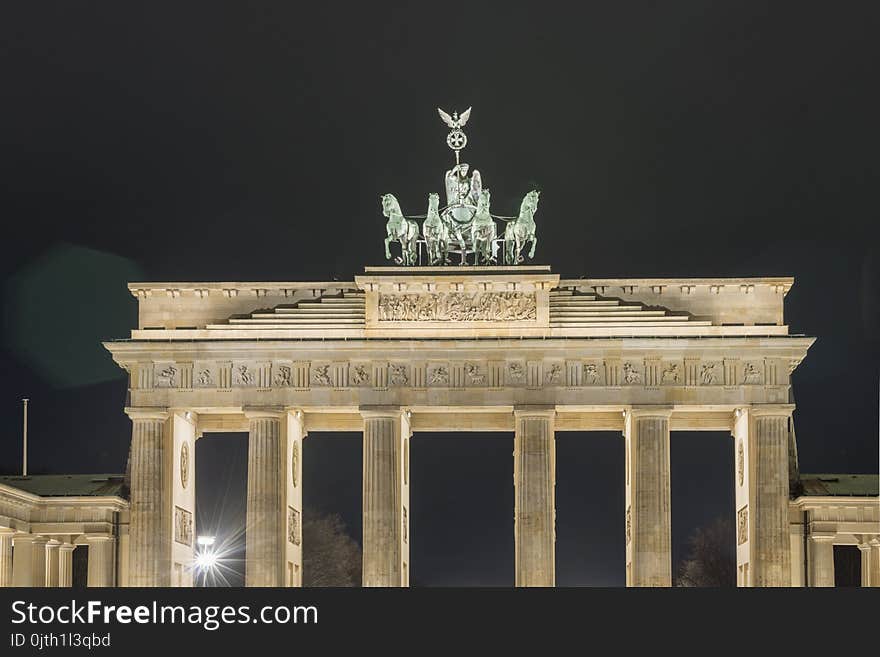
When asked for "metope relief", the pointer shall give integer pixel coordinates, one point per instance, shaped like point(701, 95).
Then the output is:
point(398, 375)
point(321, 375)
point(458, 307)
point(752, 374)
point(631, 375)
point(671, 374)
point(243, 375)
point(709, 374)
point(166, 377)
point(591, 374)
point(359, 375)
point(742, 525)
point(283, 374)
point(516, 373)
point(553, 374)
point(204, 377)
point(183, 526)
point(474, 373)
point(438, 376)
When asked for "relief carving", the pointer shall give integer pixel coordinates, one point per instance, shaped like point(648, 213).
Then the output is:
point(399, 375)
point(516, 372)
point(244, 377)
point(167, 377)
point(751, 374)
point(553, 375)
point(458, 307)
point(742, 525)
point(670, 374)
point(183, 526)
point(294, 534)
point(630, 374)
point(740, 462)
point(184, 464)
point(205, 378)
point(439, 376)
point(294, 465)
point(707, 374)
point(282, 376)
point(591, 374)
point(360, 375)
point(321, 375)
point(474, 375)
point(628, 525)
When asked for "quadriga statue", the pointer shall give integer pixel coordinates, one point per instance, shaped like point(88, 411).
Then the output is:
point(522, 230)
point(400, 229)
point(435, 232)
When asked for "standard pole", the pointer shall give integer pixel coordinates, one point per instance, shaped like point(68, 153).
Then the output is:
point(24, 441)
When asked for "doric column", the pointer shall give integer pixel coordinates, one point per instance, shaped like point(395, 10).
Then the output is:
point(865, 554)
point(101, 560)
point(386, 497)
point(265, 540)
point(151, 515)
point(6, 557)
point(52, 563)
point(648, 520)
point(29, 560)
point(821, 560)
point(162, 529)
point(65, 564)
point(534, 480)
point(875, 562)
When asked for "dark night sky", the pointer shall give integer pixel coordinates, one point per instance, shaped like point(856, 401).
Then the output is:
point(244, 142)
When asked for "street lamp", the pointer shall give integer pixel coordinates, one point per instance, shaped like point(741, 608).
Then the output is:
point(206, 557)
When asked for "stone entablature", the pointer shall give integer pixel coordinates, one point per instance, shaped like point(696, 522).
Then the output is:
point(68, 515)
point(709, 370)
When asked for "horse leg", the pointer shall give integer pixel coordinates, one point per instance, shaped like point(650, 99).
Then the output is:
point(387, 249)
point(534, 244)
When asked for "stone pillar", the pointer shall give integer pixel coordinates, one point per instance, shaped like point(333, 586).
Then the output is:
point(162, 526)
point(534, 481)
point(295, 433)
point(386, 497)
point(865, 554)
point(150, 524)
point(648, 520)
point(875, 562)
point(265, 539)
point(761, 458)
point(29, 560)
point(821, 560)
point(101, 562)
point(65, 564)
point(6, 557)
point(52, 563)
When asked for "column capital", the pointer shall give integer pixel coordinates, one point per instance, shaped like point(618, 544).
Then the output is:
point(380, 411)
point(257, 412)
point(770, 410)
point(147, 413)
point(823, 537)
point(30, 538)
point(658, 411)
point(97, 538)
point(534, 410)
point(67, 547)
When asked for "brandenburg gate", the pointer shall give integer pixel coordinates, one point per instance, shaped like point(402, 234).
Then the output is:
point(442, 346)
